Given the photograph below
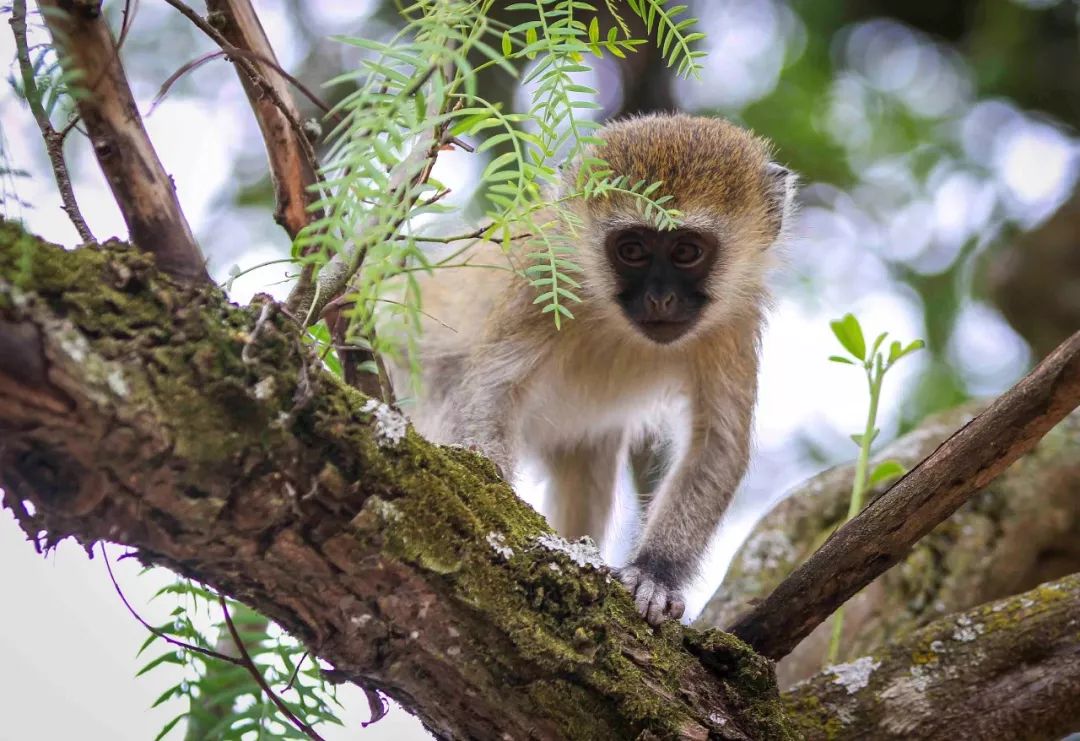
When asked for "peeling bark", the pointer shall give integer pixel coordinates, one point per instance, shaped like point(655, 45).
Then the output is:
point(1021, 530)
point(1005, 670)
point(156, 415)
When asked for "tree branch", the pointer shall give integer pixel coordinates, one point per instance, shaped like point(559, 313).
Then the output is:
point(884, 532)
point(1009, 669)
point(1021, 530)
point(236, 29)
point(142, 189)
point(293, 167)
point(130, 412)
point(54, 140)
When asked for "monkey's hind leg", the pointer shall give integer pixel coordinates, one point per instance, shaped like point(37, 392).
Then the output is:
point(581, 485)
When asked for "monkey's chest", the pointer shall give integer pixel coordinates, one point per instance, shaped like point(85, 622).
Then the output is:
point(564, 403)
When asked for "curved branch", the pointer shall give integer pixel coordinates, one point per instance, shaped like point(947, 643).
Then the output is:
point(142, 189)
point(1008, 669)
point(208, 438)
point(882, 534)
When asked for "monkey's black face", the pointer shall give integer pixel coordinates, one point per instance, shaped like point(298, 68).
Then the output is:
point(661, 278)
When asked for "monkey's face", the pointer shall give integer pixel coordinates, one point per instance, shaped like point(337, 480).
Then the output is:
point(661, 278)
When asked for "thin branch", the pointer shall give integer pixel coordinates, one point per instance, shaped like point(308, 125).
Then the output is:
point(884, 532)
point(142, 189)
point(260, 679)
point(292, 159)
point(164, 636)
point(54, 140)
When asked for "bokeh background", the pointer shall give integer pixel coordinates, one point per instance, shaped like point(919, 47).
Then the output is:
point(937, 147)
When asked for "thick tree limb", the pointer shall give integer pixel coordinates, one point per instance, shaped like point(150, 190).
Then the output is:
point(884, 532)
point(1005, 670)
point(1021, 530)
point(157, 416)
point(139, 183)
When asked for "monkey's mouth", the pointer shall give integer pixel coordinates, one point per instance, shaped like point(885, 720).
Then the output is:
point(664, 331)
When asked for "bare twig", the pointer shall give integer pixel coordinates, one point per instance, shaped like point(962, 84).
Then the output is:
point(54, 140)
point(164, 636)
point(884, 532)
point(140, 185)
point(260, 679)
point(296, 671)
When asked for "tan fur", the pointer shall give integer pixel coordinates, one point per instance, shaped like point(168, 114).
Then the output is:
point(503, 379)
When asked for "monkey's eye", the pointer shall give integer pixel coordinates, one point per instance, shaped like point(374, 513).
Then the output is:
point(686, 254)
point(632, 253)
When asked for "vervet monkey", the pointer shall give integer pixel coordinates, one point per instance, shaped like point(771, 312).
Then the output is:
point(665, 341)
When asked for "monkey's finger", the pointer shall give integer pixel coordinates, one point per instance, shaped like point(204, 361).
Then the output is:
point(657, 606)
point(630, 578)
point(644, 596)
point(676, 606)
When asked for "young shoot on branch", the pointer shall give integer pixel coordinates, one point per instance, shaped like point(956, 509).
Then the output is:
point(875, 364)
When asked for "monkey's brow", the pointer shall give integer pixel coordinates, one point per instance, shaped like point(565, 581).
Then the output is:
point(696, 220)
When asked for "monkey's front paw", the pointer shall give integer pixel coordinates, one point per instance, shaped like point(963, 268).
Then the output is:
point(655, 600)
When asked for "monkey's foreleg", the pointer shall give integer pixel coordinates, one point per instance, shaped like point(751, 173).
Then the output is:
point(680, 522)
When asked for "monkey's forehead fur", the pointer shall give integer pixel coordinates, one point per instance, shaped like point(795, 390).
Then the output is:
point(708, 164)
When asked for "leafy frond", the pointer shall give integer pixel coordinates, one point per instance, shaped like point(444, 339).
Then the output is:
point(673, 35)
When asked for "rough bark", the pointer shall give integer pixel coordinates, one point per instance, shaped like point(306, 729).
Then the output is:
point(147, 413)
point(1009, 669)
point(1021, 530)
point(885, 531)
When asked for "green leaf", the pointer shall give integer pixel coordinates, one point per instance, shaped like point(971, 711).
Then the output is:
point(887, 470)
point(850, 335)
point(507, 45)
point(877, 342)
point(169, 726)
point(896, 352)
point(169, 658)
point(841, 359)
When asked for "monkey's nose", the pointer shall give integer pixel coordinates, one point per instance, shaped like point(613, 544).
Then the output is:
point(661, 305)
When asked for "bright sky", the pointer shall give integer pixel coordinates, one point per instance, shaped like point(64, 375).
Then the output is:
point(67, 642)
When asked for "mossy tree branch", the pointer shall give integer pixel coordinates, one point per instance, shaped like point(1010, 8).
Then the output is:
point(153, 414)
point(1008, 669)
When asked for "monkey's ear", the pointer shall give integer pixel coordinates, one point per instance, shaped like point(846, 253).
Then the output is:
point(781, 184)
